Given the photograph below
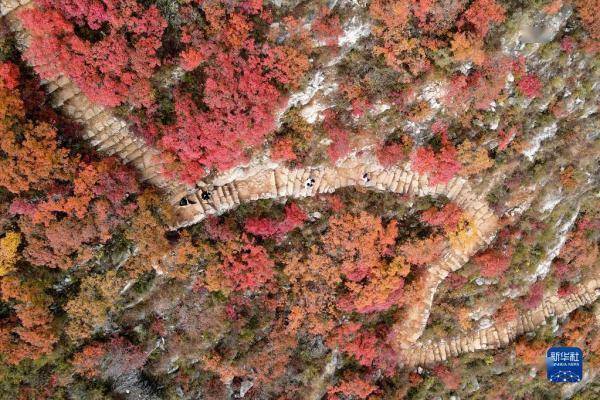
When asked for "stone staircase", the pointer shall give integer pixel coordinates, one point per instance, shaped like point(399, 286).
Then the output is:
point(499, 334)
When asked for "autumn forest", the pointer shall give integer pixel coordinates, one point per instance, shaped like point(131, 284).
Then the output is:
point(286, 199)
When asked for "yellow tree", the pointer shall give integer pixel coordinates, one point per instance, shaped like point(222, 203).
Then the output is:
point(8, 252)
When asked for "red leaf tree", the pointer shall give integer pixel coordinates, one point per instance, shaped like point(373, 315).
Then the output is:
point(114, 63)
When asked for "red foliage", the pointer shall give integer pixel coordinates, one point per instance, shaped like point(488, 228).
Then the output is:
point(31, 157)
point(391, 154)
point(479, 88)
point(9, 75)
point(335, 203)
point(580, 251)
point(360, 106)
point(87, 361)
point(567, 44)
point(408, 30)
point(492, 263)
point(447, 218)
point(111, 70)
point(361, 345)
point(482, 13)
point(340, 145)
point(507, 312)
point(355, 387)
point(367, 347)
point(423, 252)
point(286, 65)
point(217, 230)
point(358, 245)
point(61, 230)
point(240, 101)
point(248, 268)
point(122, 357)
point(450, 379)
point(588, 13)
point(535, 296)
point(28, 333)
point(441, 166)
point(414, 378)
point(506, 137)
point(530, 85)
point(294, 217)
point(563, 270)
point(566, 290)
point(219, 122)
point(283, 150)
point(327, 27)
point(456, 281)
point(190, 59)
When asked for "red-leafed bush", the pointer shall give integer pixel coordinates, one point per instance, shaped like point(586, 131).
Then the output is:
point(451, 380)
point(327, 27)
point(567, 44)
point(480, 88)
point(340, 140)
point(294, 217)
point(492, 263)
point(358, 244)
point(506, 137)
point(424, 251)
point(237, 76)
point(87, 361)
point(360, 344)
point(447, 218)
point(9, 75)
point(566, 290)
point(28, 333)
point(391, 154)
point(190, 59)
point(247, 267)
point(588, 12)
point(482, 13)
point(62, 229)
point(368, 348)
point(563, 270)
point(112, 66)
point(440, 166)
point(122, 357)
point(356, 387)
point(535, 296)
point(456, 281)
point(236, 114)
point(283, 150)
point(530, 85)
point(218, 230)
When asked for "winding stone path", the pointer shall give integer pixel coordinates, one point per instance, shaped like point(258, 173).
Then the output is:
point(270, 182)
point(500, 334)
point(267, 180)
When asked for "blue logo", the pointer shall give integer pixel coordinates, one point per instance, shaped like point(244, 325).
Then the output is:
point(564, 364)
